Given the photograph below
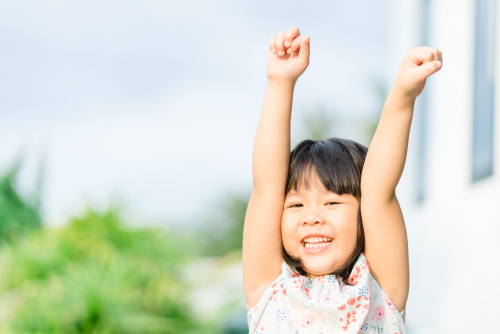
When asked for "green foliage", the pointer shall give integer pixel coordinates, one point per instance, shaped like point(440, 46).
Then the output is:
point(96, 276)
point(17, 216)
point(223, 233)
point(319, 123)
point(381, 92)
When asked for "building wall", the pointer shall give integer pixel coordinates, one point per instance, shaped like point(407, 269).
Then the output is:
point(454, 232)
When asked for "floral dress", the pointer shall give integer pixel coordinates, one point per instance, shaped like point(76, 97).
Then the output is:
point(298, 304)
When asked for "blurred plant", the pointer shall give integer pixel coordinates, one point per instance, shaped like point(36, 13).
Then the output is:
point(381, 92)
point(223, 232)
point(319, 123)
point(17, 215)
point(96, 275)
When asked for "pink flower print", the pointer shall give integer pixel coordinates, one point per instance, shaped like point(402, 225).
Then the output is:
point(351, 301)
point(307, 320)
point(306, 290)
point(358, 269)
point(348, 314)
point(273, 296)
point(389, 302)
point(353, 279)
point(341, 319)
point(379, 313)
point(284, 292)
point(341, 308)
point(344, 328)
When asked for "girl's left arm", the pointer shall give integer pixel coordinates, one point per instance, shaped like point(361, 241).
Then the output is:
point(386, 245)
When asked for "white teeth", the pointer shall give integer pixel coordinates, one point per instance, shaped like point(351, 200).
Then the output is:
point(315, 246)
point(317, 240)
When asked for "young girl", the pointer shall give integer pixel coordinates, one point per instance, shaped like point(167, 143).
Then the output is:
point(324, 244)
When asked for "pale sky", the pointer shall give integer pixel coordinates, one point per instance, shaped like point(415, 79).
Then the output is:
point(158, 101)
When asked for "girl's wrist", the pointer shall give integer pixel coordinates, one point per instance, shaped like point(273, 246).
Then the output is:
point(281, 84)
point(401, 99)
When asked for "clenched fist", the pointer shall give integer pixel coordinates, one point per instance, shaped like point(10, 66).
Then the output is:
point(288, 56)
point(418, 64)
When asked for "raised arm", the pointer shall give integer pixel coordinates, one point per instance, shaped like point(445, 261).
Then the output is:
point(386, 245)
point(288, 57)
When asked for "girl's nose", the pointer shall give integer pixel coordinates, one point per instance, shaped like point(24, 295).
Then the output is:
point(313, 218)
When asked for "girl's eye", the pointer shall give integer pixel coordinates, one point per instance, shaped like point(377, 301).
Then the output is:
point(298, 205)
point(331, 203)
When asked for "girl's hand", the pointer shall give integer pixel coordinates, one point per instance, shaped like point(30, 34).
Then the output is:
point(418, 64)
point(288, 56)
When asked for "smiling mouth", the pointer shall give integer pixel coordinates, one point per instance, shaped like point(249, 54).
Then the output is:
point(316, 244)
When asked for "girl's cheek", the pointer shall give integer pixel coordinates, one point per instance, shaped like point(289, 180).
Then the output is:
point(347, 233)
point(287, 235)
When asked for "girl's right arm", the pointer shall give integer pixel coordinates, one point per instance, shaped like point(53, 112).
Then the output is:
point(288, 57)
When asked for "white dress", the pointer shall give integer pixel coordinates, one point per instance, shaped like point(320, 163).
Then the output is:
point(299, 304)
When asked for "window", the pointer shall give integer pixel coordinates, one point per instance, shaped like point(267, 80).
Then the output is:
point(482, 148)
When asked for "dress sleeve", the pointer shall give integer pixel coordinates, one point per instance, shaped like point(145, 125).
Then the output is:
point(254, 313)
point(382, 304)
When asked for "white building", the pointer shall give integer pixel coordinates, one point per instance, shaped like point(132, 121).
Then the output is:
point(450, 190)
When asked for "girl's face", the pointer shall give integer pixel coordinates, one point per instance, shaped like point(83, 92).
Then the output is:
point(319, 227)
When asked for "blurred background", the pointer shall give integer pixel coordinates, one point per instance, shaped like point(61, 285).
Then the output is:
point(127, 131)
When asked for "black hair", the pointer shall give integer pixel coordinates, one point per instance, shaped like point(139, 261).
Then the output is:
point(338, 163)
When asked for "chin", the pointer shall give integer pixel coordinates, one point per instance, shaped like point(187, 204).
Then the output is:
point(319, 266)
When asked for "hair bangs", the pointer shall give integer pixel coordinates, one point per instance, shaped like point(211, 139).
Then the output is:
point(337, 163)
